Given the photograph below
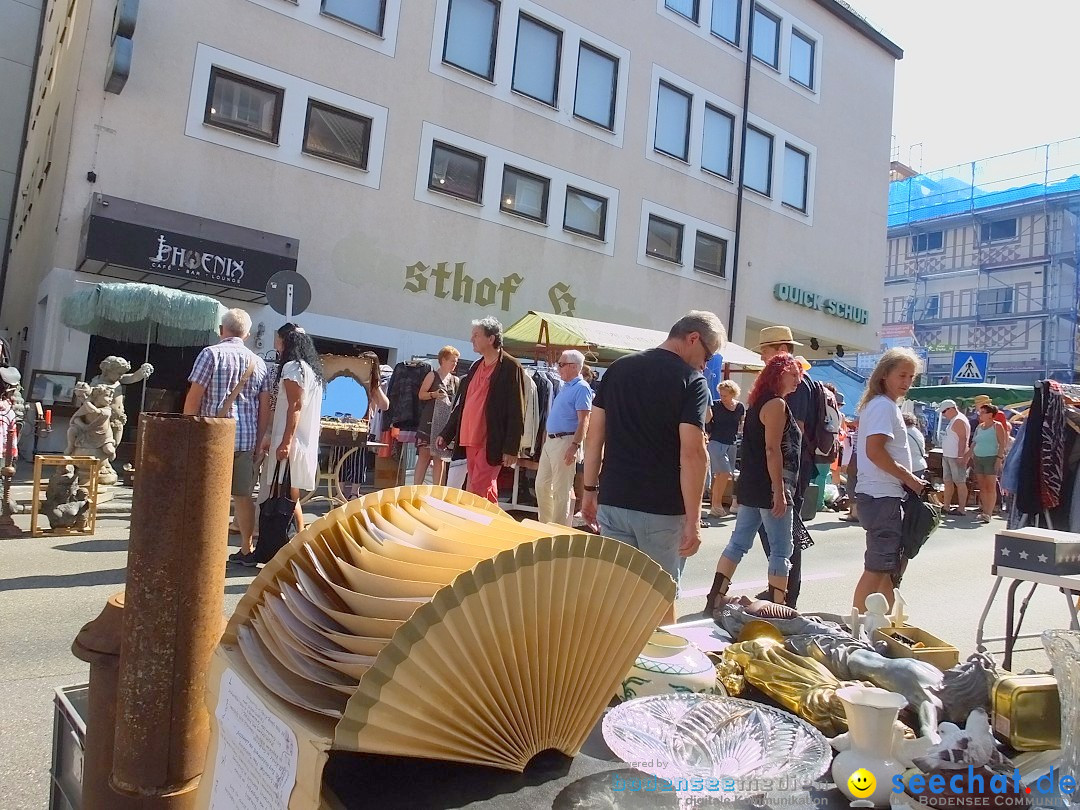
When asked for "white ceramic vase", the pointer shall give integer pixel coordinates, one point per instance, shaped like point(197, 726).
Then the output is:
point(669, 664)
point(871, 743)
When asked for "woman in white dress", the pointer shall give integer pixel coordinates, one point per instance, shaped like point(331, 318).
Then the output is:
point(294, 425)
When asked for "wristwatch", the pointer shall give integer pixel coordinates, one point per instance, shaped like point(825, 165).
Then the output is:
point(593, 488)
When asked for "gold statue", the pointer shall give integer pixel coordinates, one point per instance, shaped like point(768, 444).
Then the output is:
point(799, 684)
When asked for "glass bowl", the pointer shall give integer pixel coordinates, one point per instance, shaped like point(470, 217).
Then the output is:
point(717, 746)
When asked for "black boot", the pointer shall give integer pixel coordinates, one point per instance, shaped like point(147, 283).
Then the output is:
point(717, 593)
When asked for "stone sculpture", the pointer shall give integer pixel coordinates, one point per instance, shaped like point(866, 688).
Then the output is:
point(853, 660)
point(114, 374)
point(91, 431)
point(66, 503)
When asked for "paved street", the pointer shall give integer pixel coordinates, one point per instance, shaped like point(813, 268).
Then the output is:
point(50, 586)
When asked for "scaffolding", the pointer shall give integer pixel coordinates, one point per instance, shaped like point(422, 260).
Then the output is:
point(952, 226)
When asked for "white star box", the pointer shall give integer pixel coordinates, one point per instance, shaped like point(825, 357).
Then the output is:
point(1043, 550)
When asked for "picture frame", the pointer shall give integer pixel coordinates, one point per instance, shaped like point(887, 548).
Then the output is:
point(53, 387)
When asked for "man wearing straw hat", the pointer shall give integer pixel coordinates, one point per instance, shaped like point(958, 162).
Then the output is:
point(772, 340)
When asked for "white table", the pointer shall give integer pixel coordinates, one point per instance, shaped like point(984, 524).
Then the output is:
point(1070, 584)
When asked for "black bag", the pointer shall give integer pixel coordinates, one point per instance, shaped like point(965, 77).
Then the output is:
point(920, 519)
point(275, 516)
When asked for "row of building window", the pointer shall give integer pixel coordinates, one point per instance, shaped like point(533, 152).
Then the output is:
point(665, 241)
point(1001, 230)
point(471, 43)
point(723, 19)
point(253, 108)
point(674, 108)
point(988, 303)
point(460, 173)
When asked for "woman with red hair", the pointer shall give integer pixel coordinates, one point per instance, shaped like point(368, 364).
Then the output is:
point(765, 489)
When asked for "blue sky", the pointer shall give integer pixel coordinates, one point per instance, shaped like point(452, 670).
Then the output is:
point(979, 77)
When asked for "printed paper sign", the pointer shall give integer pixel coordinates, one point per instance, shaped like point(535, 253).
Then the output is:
point(256, 754)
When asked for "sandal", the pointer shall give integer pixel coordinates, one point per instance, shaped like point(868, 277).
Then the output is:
point(849, 519)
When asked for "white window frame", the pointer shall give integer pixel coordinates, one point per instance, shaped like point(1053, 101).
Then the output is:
point(290, 145)
point(680, 245)
point(691, 226)
point(693, 168)
point(779, 38)
point(913, 248)
point(781, 74)
point(309, 12)
point(775, 203)
point(663, 85)
point(990, 240)
point(501, 85)
point(558, 58)
point(806, 178)
point(493, 45)
point(794, 32)
point(490, 210)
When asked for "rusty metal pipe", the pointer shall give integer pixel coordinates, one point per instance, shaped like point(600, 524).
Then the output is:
point(175, 598)
point(98, 643)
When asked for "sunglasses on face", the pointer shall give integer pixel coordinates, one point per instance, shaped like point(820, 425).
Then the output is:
point(562, 364)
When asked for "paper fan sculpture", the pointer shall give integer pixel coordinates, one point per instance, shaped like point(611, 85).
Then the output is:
point(425, 622)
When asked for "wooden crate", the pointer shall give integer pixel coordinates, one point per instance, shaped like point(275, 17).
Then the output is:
point(934, 651)
point(43, 461)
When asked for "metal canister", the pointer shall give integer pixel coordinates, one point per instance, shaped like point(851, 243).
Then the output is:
point(1027, 711)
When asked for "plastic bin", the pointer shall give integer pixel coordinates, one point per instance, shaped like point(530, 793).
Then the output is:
point(69, 740)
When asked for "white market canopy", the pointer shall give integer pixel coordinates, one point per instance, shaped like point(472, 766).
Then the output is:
point(545, 331)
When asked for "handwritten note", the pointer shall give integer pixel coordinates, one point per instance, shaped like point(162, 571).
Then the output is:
point(256, 756)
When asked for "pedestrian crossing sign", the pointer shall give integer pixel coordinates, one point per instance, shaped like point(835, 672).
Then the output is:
point(970, 367)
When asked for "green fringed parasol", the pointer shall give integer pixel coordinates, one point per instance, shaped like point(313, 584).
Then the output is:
point(143, 313)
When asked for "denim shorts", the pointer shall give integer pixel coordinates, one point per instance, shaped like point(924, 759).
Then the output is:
point(954, 470)
point(984, 465)
point(882, 520)
point(659, 536)
point(722, 458)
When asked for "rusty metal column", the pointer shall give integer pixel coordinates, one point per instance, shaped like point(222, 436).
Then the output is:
point(175, 598)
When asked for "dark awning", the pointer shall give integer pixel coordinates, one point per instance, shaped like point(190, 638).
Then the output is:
point(138, 242)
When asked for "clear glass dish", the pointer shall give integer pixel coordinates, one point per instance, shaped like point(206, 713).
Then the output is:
point(1063, 649)
point(717, 747)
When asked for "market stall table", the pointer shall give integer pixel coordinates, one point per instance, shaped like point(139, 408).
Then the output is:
point(1070, 585)
point(338, 445)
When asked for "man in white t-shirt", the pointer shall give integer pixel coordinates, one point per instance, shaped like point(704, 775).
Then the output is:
point(954, 445)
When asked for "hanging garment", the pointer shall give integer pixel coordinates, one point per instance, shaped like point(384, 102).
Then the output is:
point(403, 392)
point(1028, 500)
point(532, 418)
point(1052, 455)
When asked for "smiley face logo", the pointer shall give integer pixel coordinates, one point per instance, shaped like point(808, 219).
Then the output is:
point(861, 783)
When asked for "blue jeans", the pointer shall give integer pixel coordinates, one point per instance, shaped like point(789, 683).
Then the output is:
point(659, 536)
point(781, 545)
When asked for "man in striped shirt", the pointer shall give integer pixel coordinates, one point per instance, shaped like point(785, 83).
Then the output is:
point(218, 369)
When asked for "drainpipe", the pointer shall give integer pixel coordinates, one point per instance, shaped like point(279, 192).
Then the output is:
point(740, 193)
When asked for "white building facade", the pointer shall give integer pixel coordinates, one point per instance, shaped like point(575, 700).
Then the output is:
point(423, 164)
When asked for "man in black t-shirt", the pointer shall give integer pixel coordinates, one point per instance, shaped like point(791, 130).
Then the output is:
point(772, 341)
point(647, 430)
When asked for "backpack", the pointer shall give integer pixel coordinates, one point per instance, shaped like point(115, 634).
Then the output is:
point(823, 423)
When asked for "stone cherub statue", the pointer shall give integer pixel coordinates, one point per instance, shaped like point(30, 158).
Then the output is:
point(114, 373)
point(91, 431)
point(66, 503)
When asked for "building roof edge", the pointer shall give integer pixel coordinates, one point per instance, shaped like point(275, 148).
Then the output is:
point(846, 13)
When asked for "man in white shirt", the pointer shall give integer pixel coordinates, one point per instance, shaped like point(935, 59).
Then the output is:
point(954, 446)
